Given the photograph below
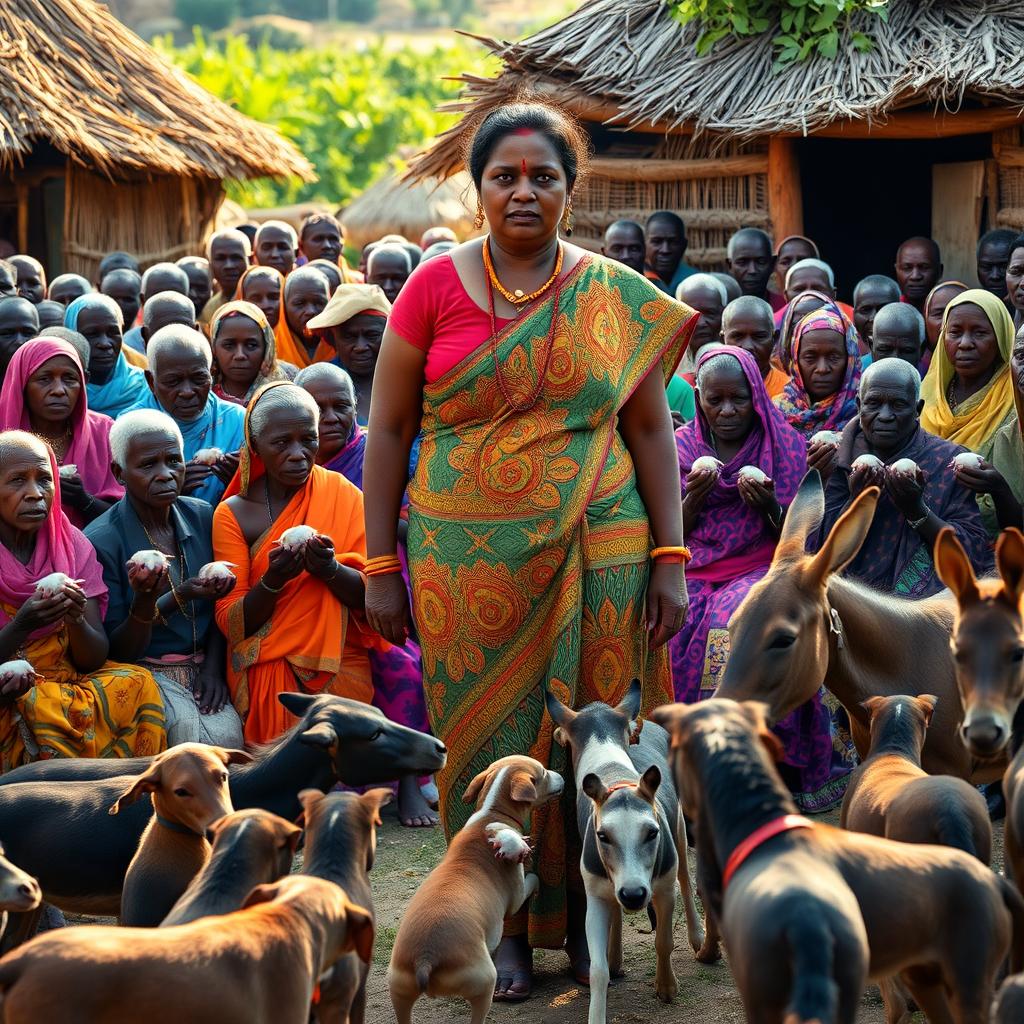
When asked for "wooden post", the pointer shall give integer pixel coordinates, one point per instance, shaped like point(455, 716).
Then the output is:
point(22, 193)
point(785, 198)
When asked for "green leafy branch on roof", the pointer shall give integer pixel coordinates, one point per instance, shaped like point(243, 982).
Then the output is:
point(803, 28)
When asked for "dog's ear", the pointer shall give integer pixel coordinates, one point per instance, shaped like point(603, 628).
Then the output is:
point(630, 704)
point(560, 714)
point(374, 799)
point(756, 712)
point(595, 789)
point(320, 735)
point(147, 782)
point(926, 702)
point(649, 783)
point(288, 835)
point(873, 705)
point(234, 756)
point(473, 789)
point(523, 790)
point(309, 798)
point(359, 923)
point(265, 893)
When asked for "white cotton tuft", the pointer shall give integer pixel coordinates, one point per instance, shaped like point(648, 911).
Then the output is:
point(707, 463)
point(906, 467)
point(754, 473)
point(217, 571)
point(295, 539)
point(831, 437)
point(967, 460)
point(51, 584)
point(16, 668)
point(67, 471)
point(149, 559)
point(208, 456)
point(869, 461)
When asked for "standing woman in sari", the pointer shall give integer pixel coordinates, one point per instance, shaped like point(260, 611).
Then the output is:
point(545, 529)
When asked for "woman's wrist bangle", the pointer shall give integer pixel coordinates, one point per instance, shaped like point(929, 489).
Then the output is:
point(146, 622)
point(383, 565)
point(916, 523)
point(672, 555)
point(268, 588)
point(390, 570)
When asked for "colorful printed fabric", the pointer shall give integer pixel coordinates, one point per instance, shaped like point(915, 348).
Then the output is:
point(270, 369)
point(529, 542)
point(782, 357)
point(893, 557)
point(834, 412)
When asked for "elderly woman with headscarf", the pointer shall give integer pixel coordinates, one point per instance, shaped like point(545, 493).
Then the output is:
point(294, 620)
point(114, 385)
point(180, 384)
point(353, 324)
point(44, 391)
point(934, 313)
point(304, 296)
point(968, 393)
point(52, 600)
point(162, 617)
point(244, 352)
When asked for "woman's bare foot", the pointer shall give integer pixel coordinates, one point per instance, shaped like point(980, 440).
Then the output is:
point(413, 810)
point(514, 961)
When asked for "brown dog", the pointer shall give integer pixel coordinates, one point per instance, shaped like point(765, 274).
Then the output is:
point(453, 924)
point(933, 915)
point(250, 848)
point(256, 966)
point(188, 785)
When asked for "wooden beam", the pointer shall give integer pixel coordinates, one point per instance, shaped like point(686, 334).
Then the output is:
point(785, 196)
point(22, 192)
point(920, 124)
point(679, 170)
point(1009, 156)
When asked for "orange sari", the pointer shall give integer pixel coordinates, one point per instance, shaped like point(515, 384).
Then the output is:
point(311, 643)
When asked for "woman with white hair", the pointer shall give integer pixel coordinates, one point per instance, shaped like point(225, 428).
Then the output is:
point(161, 616)
point(180, 384)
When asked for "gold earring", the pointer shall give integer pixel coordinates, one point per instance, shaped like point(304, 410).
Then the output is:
point(478, 221)
point(567, 217)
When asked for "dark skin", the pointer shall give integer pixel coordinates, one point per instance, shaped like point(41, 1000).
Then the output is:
point(822, 363)
point(100, 328)
point(322, 241)
point(153, 476)
point(288, 445)
point(31, 279)
point(19, 322)
point(238, 353)
point(51, 314)
point(357, 342)
point(890, 341)
point(331, 271)
point(808, 279)
point(1015, 284)
point(972, 348)
point(8, 284)
point(66, 291)
point(181, 383)
point(52, 394)
point(163, 281)
point(163, 312)
point(125, 292)
point(993, 258)
point(754, 334)
point(725, 400)
point(389, 271)
point(666, 246)
point(986, 479)
point(752, 264)
point(200, 286)
point(524, 190)
point(889, 417)
point(625, 244)
point(228, 260)
point(26, 496)
point(304, 298)
point(934, 313)
point(870, 299)
point(708, 303)
point(264, 291)
point(917, 270)
point(275, 248)
point(337, 414)
point(792, 251)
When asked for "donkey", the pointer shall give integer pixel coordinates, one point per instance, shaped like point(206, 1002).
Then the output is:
point(803, 625)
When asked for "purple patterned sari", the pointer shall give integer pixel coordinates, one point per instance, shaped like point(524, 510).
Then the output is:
point(732, 547)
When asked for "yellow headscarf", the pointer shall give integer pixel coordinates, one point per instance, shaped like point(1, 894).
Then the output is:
point(976, 421)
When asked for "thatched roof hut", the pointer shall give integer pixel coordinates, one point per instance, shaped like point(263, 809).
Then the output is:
point(104, 145)
point(919, 135)
point(392, 206)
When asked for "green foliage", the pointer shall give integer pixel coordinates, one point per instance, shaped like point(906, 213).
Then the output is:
point(210, 14)
point(349, 111)
point(802, 27)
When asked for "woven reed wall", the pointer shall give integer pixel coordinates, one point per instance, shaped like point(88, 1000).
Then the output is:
point(1011, 178)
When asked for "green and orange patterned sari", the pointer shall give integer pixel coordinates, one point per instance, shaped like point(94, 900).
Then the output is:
point(529, 542)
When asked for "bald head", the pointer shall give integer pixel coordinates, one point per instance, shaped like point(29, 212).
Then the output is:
point(891, 373)
point(276, 246)
point(329, 375)
point(174, 341)
point(31, 278)
point(918, 268)
point(163, 277)
point(749, 323)
point(624, 242)
point(165, 309)
point(229, 253)
point(65, 288)
point(898, 332)
point(751, 260)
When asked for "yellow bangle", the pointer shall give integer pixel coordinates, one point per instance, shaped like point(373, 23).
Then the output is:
point(672, 554)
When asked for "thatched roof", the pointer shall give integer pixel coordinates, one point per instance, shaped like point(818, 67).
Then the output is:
point(75, 77)
point(391, 206)
point(633, 65)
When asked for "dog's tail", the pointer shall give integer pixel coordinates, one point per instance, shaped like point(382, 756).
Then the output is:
point(1014, 903)
point(423, 968)
point(815, 995)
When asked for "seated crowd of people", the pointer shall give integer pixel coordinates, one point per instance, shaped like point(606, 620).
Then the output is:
point(212, 409)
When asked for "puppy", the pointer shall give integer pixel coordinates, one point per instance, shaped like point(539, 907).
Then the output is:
point(454, 922)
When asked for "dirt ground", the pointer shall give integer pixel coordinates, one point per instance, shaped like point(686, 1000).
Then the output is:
point(706, 993)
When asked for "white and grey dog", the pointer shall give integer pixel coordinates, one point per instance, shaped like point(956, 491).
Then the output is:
point(634, 836)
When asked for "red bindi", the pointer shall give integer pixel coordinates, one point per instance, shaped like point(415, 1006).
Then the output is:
point(524, 165)
point(523, 131)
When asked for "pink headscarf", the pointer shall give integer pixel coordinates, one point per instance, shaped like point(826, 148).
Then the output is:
point(60, 547)
point(89, 448)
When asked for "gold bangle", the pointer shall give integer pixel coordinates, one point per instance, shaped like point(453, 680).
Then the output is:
point(268, 588)
point(145, 622)
point(680, 553)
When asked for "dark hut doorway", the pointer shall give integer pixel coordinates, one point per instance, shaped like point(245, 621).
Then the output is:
point(862, 197)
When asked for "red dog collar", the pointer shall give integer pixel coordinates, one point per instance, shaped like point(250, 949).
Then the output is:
point(620, 785)
point(757, 838)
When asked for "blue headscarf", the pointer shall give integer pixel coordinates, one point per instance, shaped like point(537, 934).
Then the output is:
point(127, 385)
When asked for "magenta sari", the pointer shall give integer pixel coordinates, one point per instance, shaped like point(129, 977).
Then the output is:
point(732, 547)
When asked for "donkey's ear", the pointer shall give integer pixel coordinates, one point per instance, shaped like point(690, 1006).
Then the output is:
point(562, 716)
point(845, 538)
point(954, 567)
point(630, 704)
point(1010, 561)
point(803, 518)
